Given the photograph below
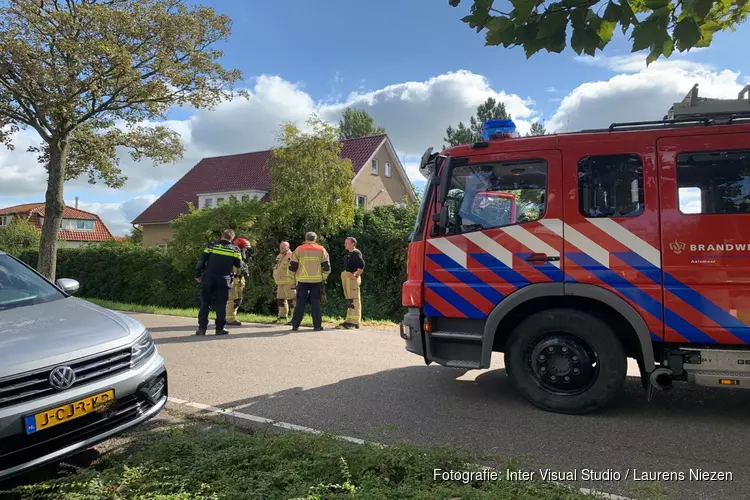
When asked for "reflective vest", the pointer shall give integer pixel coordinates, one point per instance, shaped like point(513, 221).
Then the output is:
point(310, 263)
point(282, 275)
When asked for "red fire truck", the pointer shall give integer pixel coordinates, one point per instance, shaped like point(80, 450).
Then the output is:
point(570, 253)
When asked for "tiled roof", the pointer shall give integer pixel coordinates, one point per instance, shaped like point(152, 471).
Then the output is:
point(235, 173)
point(36, 210)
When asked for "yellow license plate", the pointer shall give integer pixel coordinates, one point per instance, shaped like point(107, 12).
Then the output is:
point(69, 411)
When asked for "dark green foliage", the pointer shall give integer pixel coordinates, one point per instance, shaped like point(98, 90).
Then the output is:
point(660, 26)
point(151, 276)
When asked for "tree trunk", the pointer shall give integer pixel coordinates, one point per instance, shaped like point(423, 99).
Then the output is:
point(54, 205)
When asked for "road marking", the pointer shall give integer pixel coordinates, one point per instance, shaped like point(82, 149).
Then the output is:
point(284, 425)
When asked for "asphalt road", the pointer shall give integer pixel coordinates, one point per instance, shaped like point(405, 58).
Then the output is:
point(364, 384)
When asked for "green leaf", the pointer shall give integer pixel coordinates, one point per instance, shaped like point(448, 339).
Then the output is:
point(522, 9)
point(627, 19)
point(497, 36)
point(500, 23)
point(653, 55)
point(552, 23)
point(613, 12)
point(605, 31)
point(668, 47)
point(699, 8)
point(656, 4)
point(556, 43)
point(687, 33)
point(584, 40)
point(650, 33)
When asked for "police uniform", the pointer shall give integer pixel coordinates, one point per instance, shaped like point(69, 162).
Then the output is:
point(240, 275)
point(285, 285)
point(215, 267)
point(353, 262)
point(311, 265)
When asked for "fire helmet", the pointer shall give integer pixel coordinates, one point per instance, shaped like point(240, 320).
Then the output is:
point(241, 243)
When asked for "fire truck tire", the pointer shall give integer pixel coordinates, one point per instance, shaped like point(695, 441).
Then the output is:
point(566, 361)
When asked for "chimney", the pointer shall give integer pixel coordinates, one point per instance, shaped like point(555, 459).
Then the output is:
point(76, 201)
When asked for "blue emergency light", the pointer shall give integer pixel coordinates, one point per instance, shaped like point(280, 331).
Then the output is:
point(498, 129)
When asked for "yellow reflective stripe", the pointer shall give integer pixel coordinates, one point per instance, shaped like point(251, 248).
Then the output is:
point(227, 253)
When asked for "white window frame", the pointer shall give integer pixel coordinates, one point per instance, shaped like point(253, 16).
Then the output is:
point(219, 200)
point(5, 220)
point(388, 169)
point(163, 246)
point(208, 203)
point(361, 197)
point(374, 167)
point(73, 225)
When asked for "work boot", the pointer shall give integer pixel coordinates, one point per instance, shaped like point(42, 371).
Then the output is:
point(201, 332)
point(223, 331)
point(234, 323)
point(344, 326)
point(318, 329)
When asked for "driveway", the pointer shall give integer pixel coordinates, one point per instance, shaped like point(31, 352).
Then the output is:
point(364, 384)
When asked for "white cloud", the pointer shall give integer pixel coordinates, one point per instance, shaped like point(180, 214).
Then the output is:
point(117, 216)
point(638, 93)
point(415, 114)
point(551, 89)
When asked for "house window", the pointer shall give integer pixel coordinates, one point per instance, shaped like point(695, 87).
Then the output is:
point(219, 201)
point(714, 182)
point(610, 186)
point(163, 246)
point(374, 170)
point(76, 225)
point(208, 203)
point(5, 220)
point(387, 169)
point(361, 202)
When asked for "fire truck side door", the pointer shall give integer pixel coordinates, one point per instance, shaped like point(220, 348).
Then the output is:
point(476, 263)
point(611, 217)
point(705, 193)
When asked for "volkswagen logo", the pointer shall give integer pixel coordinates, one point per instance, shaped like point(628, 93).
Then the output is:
point(62, 378)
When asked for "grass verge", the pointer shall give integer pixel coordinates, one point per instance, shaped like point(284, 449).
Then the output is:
point(244, 317)
point(199, 461)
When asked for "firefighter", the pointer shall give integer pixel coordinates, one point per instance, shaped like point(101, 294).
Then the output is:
point(238, 286)
point(311, 265)
point(354, 266)
point(285, 283)
point(214, 272)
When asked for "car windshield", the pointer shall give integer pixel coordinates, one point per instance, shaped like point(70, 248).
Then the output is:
point(19, 286)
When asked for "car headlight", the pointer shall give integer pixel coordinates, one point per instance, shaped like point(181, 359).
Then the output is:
point(142, 349)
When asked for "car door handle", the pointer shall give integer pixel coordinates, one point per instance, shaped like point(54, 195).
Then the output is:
point(542, 257)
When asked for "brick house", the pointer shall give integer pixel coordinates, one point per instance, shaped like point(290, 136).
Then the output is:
point(378, 179)
point(77, 229)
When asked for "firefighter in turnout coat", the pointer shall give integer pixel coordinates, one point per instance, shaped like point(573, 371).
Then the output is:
point(240, 275)
point(285, 283)
point(354, 266)
point(311, 264)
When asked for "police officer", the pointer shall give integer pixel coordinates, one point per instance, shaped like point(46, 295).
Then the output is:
point(354, 266)
point(311, 264)
point(238, 286)
point(285, 284)
point(214, 272)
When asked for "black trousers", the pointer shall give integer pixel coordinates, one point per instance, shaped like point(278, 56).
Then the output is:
point(214, 286)
point(308, 292)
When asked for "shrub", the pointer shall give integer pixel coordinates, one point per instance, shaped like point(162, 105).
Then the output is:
point(151, 276)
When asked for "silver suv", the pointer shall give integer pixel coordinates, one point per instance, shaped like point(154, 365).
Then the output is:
point(72, 374)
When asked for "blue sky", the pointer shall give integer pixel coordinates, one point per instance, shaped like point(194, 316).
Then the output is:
point(386, 56)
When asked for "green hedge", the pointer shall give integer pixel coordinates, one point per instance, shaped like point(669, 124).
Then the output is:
point(151, 276)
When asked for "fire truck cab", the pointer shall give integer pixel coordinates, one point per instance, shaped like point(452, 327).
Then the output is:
point(571, 253)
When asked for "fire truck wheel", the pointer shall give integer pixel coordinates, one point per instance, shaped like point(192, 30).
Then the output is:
point(566, 361)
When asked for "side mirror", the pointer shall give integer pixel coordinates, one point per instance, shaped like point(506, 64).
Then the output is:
point(68, 285)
